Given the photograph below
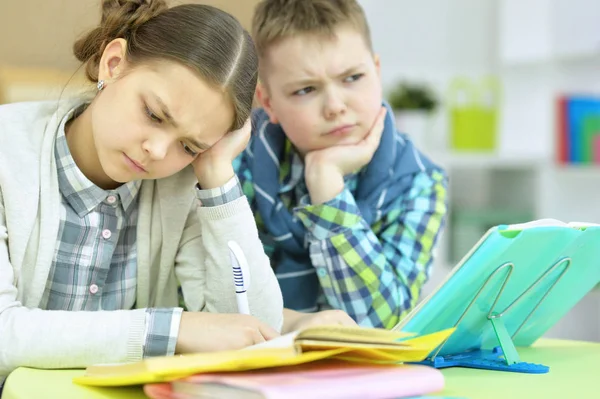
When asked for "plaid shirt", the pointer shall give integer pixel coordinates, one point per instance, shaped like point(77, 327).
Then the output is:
point(374, 273)
point(95, 262)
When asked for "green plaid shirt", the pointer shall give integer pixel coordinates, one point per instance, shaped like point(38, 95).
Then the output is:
point(374, 273)
point(95, 262)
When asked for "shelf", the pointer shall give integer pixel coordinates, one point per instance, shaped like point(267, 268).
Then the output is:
point(562, 60)
point(592, 169)
point(486, 160)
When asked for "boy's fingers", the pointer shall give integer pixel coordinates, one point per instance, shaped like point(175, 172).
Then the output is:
point(381, 120)
point(377, 129)
point(374, 136)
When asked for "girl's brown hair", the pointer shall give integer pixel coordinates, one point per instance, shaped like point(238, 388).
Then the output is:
point(209, 41)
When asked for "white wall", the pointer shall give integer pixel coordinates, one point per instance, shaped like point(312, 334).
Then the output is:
point(433, 39)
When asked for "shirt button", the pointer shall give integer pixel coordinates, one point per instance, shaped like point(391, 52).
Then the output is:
point(322, 272)
point(93, 289)
point(106, 234)
point(111, 199)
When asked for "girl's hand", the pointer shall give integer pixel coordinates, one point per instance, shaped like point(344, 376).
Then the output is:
point(213, 167)
point(210, 332)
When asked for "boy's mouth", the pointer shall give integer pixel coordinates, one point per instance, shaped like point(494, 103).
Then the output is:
point(341, 130)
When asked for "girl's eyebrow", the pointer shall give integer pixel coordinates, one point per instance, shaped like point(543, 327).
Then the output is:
point(199, 144)
point(165, 110)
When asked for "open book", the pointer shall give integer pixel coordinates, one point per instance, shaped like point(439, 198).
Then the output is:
point(358, 344)
point(363, 345)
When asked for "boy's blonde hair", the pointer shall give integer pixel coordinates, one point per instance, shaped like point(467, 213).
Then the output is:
point(275, 20)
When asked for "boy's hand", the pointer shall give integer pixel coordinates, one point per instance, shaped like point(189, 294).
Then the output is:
point(214, 167)
point(325, 169)
point(294, 321)
point(210, 332)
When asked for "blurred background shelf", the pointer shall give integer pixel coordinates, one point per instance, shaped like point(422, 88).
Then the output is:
point(462, 160)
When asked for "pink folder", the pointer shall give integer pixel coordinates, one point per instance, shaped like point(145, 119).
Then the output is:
point(324, 380)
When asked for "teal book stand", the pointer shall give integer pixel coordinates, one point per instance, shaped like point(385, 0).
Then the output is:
point(511, 288)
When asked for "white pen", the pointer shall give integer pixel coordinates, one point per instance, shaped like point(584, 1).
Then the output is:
point(241, 276)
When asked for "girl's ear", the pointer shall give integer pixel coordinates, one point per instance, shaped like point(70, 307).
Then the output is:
point(112, 62)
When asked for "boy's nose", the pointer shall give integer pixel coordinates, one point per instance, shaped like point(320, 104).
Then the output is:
point(334, 106)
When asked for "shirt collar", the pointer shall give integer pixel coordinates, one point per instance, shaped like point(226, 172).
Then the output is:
point(81, 194)
point(291, 170)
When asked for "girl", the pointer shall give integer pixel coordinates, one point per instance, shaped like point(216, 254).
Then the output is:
point(107, 205)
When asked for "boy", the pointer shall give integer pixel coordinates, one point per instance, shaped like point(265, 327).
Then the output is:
point(348, 209)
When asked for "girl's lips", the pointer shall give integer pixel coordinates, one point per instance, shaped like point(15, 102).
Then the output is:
point(136, 166)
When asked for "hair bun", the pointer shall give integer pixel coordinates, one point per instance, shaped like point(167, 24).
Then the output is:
point(120, 19)
point(125, 16)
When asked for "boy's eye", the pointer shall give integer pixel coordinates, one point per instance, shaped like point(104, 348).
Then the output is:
point(354, 78)
point(304, 91)
point(152, 116)
point(189, 150)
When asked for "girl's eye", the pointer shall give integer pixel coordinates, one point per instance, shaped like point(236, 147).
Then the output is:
point(152, 116)
point(304, 91)
point(189, 150)
point(353, 78)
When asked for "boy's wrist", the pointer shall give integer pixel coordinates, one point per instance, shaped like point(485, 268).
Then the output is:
point(324, 183)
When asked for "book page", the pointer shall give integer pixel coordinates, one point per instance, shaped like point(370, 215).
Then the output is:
point(548, 223)
point(284, 341)
point(536, 223)
point(579, 225)
point(352, 335)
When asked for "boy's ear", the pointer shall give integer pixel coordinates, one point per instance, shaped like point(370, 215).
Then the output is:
point(112, 62)
point(265, 102)
point(377, 61)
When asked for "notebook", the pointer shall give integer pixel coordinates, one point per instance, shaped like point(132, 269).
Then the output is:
point(324, 380)
point(356, 344)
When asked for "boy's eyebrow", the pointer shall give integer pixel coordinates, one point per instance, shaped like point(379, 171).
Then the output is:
point(301, 82)
point(310, 82)
point(351, 69)
point(165, 110)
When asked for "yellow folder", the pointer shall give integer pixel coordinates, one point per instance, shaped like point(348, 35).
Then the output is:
point(366, 345)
